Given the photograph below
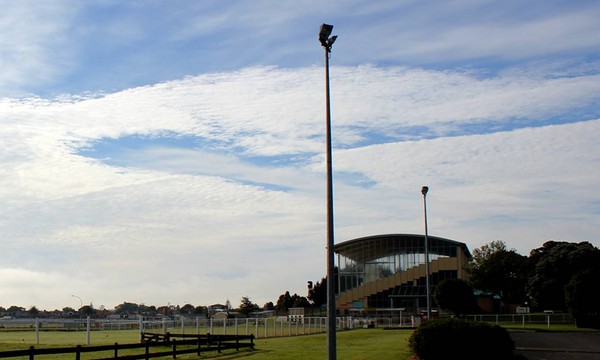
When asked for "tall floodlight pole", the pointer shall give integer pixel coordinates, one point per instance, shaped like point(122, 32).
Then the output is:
point(424, 191)
point(327, 41)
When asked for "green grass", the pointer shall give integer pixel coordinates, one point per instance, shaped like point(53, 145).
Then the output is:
point(363, 344)
point(351, 345)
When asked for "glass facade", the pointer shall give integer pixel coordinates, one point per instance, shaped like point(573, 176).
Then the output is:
point(366, 260)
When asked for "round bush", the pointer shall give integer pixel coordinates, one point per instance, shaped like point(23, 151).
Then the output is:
point(452, 338)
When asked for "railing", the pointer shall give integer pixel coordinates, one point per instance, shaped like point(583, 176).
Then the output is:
point(35, 329)
point(524, 319)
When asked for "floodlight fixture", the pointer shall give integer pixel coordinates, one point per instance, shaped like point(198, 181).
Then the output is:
point(324, 36)
point(324, 33)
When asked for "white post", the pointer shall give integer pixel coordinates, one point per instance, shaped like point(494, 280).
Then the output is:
point(164, 324)
point(266, 327)
point(37, 331)
point(141, 325)
point(88, 330)
point(182, 325)
point(256, 330)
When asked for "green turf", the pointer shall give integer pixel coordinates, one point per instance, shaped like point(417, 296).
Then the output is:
point(356, 344)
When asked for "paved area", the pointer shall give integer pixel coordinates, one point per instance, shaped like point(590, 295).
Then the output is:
point(557, 345)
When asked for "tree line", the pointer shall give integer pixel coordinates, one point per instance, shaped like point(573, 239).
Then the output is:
point(559, 276)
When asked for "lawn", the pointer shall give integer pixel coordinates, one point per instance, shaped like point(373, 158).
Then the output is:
point(360, 344)
point(351, 345)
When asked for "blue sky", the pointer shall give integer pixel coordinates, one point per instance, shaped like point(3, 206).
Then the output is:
point(143, 139)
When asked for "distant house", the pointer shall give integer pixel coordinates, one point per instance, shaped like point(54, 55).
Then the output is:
point(489, 303)
point(215, 308)
point(220, 315)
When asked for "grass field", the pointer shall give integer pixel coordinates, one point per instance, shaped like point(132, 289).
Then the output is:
point(352, 345)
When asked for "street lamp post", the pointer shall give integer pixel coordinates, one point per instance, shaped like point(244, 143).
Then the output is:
point(80, 301)
point(327, 41)
point(424, 191)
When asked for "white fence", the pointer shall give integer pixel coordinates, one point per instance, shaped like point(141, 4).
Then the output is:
point(260, 327)
point(525, 319)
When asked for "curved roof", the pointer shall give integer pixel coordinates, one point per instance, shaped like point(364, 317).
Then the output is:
point(355, 248)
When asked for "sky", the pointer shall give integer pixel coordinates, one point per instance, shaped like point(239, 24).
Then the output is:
point(173, 152)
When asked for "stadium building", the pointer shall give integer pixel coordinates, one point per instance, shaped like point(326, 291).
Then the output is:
point(389, 271)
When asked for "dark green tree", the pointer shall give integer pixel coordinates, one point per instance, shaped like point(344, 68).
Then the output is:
point(247, 306)
point(201, 310)
point(498, 270)
point(127, 308)
point(553, 266)
point(33, 311)
point(581, 296)
point(455, 295)
point(317, 293)
point(87, 310)
point(287, 301)
point(187, 309)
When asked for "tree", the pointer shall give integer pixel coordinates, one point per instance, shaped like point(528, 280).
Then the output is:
point(581, 296)
point(33, 311)
point(201, 310)
point(455, 295)
point(127, 308)
point(498, 270)
point(317, 293)
point(553, 266)
point(69, 311)
point(187, 309)
point(87, 310)
point(247, 306)
point(287, 301)
point(14, 310)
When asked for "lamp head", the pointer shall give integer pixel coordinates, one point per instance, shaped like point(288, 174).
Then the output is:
point(424, 190)
point(324, 33)
point(331, 40)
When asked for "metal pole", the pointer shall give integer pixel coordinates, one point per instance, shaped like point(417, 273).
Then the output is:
point(424, 192)
point(331, 315)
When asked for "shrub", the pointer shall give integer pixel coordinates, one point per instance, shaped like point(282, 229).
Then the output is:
point(452, 338)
